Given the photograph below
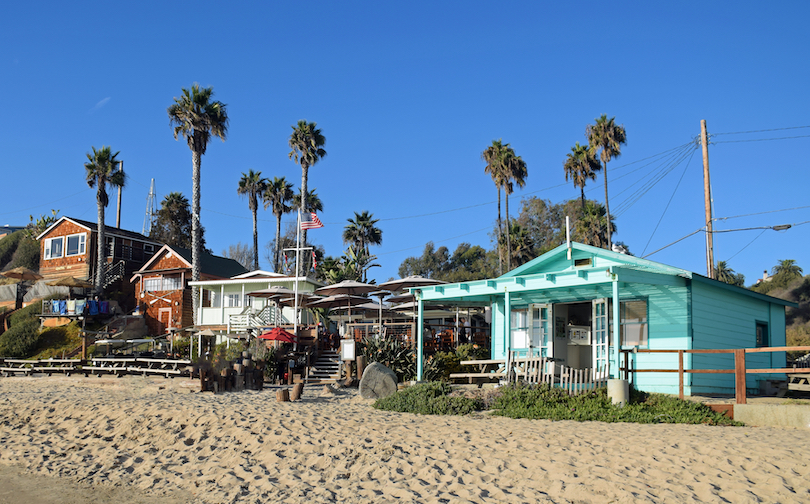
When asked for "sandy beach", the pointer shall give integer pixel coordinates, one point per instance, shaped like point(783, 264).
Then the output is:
point(150, 440)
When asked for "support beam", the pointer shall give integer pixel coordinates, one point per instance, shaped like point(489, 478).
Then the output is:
point(420, 360)
point(616, 327)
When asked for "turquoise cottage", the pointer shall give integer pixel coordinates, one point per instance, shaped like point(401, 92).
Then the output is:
point(573, 304)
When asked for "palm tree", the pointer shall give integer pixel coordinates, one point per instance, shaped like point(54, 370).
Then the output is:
point(278, 196)
point(196, 118)
point(591, 226)
point(581, 165)
point(313, 204)
point(788, 269)
point(493, 157)
point(522, 244)
point(251, 185)
point(306, 142)
point(362, 232)
point(102, 169)
point(515, 171)
point(724, 273)
point(607, 138)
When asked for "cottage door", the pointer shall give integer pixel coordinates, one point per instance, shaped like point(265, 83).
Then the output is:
point(164, 319)
point(601, 334)
point(541, 331)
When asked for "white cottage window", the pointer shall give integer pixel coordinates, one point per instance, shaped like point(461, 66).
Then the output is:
point(76, 244)
point(53, 248)
point(634, 322)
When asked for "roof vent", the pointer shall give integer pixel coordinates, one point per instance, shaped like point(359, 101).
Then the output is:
point(579, 263)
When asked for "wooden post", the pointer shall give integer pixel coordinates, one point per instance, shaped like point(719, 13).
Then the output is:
point(680, 375)
point(361, 365)
point(739, 375)
point(707, 200)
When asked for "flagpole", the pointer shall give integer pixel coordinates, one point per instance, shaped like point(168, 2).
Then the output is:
point(295, 289)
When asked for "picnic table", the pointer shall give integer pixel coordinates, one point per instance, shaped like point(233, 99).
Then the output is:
point(492, 369)
point(10, 367)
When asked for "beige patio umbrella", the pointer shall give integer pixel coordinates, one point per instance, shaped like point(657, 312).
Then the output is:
point(71, 282)
point(410, 282)
point(22, 274)
point(349, 288)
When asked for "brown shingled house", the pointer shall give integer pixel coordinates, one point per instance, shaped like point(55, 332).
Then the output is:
point(164, 296)
point(68, 248)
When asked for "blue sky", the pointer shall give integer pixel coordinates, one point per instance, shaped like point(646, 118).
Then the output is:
point(408, 95)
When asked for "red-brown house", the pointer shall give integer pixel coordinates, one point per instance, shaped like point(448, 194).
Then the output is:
point(68, 248)
point(164, 296)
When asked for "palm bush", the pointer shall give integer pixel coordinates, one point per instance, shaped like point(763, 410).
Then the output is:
point(393, 353)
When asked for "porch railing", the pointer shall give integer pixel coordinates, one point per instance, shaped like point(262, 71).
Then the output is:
point(740, 371)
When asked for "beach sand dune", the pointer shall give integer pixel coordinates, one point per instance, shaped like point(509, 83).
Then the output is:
point(150, 440)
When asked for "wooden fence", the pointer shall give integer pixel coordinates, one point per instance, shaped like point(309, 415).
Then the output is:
point(117, 366)
point(740, 371)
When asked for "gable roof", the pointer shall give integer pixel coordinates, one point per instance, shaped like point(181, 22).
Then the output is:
point(93, 226)
point(211, 265)
point(542, 263)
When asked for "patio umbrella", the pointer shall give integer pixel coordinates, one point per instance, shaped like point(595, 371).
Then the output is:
point(380, 294)
point(22, 274)
point(272, 292)
point(278, 334)
point(70, 281)
point(347, 287)
point(409, 282)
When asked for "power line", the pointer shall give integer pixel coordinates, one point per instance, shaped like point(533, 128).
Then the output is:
point(762, 213)
point(669, 202)
point(434, 241)
point(758, 131)
point(760, 139)
point(749, 243)
point(673, 243)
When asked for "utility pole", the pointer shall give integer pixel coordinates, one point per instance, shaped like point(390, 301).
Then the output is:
point(707, 200)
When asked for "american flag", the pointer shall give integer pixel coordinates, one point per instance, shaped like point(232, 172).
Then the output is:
point(310, 221)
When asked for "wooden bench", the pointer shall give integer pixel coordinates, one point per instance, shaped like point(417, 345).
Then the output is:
point(488, 369)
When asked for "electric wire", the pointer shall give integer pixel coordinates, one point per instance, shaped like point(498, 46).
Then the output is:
point(749, 243)
point(673, 243)
point(759, 139)
point(759, 131)
point(669, 202)
point(761, 213)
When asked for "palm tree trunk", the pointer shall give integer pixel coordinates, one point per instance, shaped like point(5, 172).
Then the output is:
point(500, 235)
point(101, 245)
point(607, 211)
point(508, 232)
point(196, 234)
point(582, 190)
point(255, 240)
point(276, 266)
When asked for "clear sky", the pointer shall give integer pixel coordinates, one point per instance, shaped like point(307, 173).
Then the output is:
point(408, 95)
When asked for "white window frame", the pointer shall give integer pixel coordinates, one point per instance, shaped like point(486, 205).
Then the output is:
point(49, 244)
point(232, 300)
point(82, 244)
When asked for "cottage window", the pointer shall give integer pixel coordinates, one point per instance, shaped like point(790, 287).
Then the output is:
point(75, 244)
point(216, 299)
point(762, 334)
point(53, 248)
point(171, 283)
point(520, 328)
point(233, 300)
point(151, 284)
point(634, 322)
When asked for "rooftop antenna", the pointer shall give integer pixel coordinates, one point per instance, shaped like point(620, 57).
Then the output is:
point(151, 210)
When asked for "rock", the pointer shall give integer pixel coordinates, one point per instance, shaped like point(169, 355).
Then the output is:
point(378, 381)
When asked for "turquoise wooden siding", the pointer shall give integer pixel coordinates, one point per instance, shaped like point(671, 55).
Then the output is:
point(723, 319)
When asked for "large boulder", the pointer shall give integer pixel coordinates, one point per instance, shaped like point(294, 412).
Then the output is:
point(377, 382)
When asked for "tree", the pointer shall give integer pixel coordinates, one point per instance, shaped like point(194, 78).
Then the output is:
point(172, 222)
point(197, 118)
point(313, 203)
point(591, 227)
point(606, 138)
point(725, 274)
point(493, 156)
point(514, 169)
point(361, 232)
point(37, 227)
point(102, 169)
point(523, 247)
point(581, 165)
point(251, 185)
point(241, 253)
point(788, 269)
point(466, 263)
point(360, 262)
point(278, 196)
point(306, 142)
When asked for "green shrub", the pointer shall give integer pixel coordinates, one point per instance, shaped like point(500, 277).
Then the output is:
point(391, 352)
point(8, 245)
point(55, 341)
point(520, 401)
point(26, 255)
point(428, 399)
point(20, 340)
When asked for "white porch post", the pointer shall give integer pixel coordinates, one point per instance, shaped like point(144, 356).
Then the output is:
point(616, 327)
point(507, 325)
point(200, 307)
point(222, 304)
point(420, 361)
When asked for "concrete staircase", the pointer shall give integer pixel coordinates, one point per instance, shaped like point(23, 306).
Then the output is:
point(326, 369)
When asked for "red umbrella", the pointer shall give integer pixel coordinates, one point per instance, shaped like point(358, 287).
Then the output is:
point(278, 334)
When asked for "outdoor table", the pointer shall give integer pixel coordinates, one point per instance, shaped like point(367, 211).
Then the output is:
point(487, 369)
